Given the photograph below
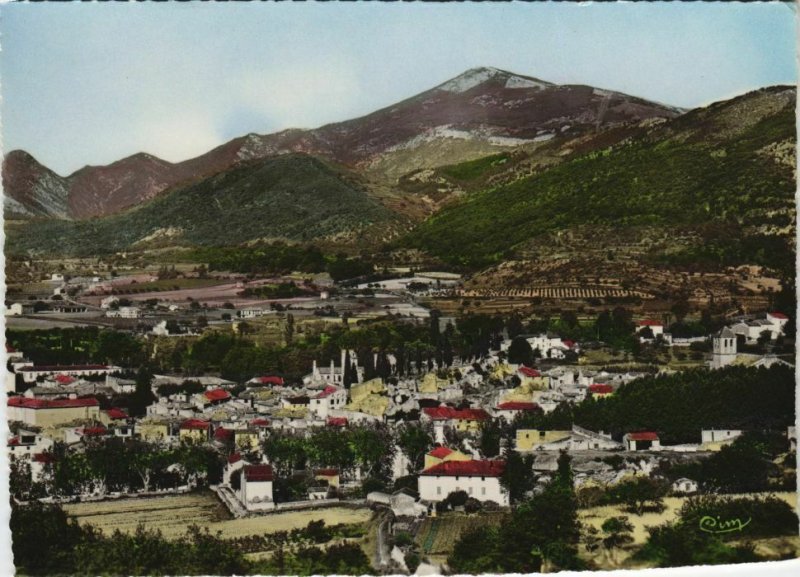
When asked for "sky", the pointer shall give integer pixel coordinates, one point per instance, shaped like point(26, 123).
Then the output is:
point(92, 83)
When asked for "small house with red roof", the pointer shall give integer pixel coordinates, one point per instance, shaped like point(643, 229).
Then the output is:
point(268, 380)
point(441, 454)
point(336, 421)
point(195, 430)
point(642, 441)
point(531, 378)
point(255, 489)
point(510, 410)
point(464, 420)
point(601, 390)
point(778, 321)
point(479, 479)
point(329, 399)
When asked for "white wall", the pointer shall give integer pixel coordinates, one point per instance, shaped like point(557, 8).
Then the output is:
point(257, 489)
point(436, 488)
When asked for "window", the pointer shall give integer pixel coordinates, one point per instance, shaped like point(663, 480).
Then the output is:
point(542, 434)
point(483, 490)
point(470, 490)
point(456, 477)
point(438, 490)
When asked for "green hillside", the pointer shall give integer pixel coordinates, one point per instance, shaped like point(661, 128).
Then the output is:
point(295, 197)
point(715, 165)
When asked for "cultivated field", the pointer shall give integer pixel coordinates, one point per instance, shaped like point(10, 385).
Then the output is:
point(173, 514)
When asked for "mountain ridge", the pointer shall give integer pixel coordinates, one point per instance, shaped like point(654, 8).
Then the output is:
point(485, 104)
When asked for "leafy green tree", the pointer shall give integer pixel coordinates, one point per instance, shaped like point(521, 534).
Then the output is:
point(43, 539)
point(415, 441)
point(520, 352)
point(517, 476)
point(617, 533)
point(641, 494)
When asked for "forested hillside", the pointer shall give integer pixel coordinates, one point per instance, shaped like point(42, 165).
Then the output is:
point(684, 175)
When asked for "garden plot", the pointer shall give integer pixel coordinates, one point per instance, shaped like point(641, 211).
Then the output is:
point(173, 514)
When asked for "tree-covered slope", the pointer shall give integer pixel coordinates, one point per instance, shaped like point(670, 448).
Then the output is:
point(725, 164)
point(296, 197)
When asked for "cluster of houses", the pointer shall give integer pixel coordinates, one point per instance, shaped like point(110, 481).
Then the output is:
point(60, 403)
point(724, 342)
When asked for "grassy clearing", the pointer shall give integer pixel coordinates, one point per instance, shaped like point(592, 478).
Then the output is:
point(174, 513)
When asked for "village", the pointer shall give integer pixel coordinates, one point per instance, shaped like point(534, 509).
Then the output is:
point(411, 437)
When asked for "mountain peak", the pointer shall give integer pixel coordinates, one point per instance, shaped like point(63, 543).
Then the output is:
point(476, 76)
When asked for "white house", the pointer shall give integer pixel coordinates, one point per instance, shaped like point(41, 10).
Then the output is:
point(550, 346)
point(510, 410)
point(684, 485)
point(718, 435)
point(255, 490)
point(124, 313)
point(778, 321)
point(27, 444)
point(479, 479)
point(329, 399)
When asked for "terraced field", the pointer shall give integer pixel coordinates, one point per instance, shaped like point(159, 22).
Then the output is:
point(174, 513)
point(438, 535)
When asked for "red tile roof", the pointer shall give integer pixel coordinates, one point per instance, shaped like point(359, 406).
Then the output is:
point(195, 424)
point(327, 472)
point(467, 469)
point(440, 452)
point(449, 413)
point(568, 344)
point(44, 458)
point(518, 406)
point(115, 413)
point(27, 403)
point(643, 436)
point(529, 372)
point(778, 315)
point(260, 422)
point(223, 434)
point(64, 379)
point(215, 395)
point(599, 389)
point(327, 392)
point(337, 421)
point(271, 380)
point(649, 323)
point(13, 441)
point(234, 458)
point(94, 431)
point(258, 473)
